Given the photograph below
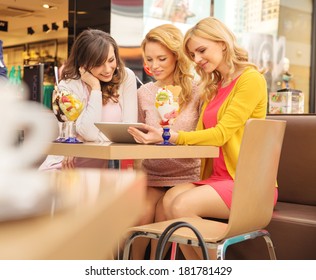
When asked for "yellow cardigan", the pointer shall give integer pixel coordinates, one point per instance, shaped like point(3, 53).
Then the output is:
point(248, 99)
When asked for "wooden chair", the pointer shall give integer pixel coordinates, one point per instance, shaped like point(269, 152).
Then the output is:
point(253, 196)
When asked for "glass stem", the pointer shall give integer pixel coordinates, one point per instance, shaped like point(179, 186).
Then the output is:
point(71, 129)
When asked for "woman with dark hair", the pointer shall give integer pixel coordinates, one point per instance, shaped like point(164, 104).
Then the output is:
point(95, 72)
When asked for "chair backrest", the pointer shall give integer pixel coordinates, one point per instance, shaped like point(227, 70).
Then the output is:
point(256, 173)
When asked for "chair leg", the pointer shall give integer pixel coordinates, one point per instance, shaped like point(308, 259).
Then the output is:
point(221, 250)
point(130, 239)
point(127, 247)
point(270, 247)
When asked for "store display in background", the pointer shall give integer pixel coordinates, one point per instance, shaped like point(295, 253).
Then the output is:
point(34, 78)
point(3, 68)
point(15, 76)
point(280, 102)
point(286, 101)
point(287, 78)
point(297, 102)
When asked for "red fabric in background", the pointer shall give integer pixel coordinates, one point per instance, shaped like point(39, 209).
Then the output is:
point(127, 163)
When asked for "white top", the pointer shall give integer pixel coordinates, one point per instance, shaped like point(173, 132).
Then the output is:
point(94, 109)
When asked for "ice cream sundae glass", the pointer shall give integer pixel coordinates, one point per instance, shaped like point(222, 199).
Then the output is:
point(71, 107)
point(168, 108)
point(62, 120)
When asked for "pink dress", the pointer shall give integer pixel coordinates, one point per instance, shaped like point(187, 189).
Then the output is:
point(169, 172)
point(220, 180)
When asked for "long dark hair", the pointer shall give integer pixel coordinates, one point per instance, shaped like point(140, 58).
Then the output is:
point(91, 49)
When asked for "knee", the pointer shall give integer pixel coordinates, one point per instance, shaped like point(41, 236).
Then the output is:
point(148, 214)
point(167, 202)
point(179, 208)
point(176, 208)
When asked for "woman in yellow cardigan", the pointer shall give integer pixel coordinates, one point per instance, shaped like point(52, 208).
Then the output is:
point(234, 90)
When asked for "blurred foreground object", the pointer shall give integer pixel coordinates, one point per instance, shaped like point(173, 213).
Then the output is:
point(97, 207)
point(19, 114)
point(21, 188)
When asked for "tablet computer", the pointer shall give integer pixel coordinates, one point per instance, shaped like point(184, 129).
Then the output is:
point(117, 132)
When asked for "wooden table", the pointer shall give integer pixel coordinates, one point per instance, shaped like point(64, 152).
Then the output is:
point(87, 211)
point(108, 150)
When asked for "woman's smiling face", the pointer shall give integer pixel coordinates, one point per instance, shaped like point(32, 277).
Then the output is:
point(207, 54)
point(161, 62)
point(105, 71)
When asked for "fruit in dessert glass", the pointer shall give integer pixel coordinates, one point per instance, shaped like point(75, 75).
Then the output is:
point(168, 108)
point(71, 106)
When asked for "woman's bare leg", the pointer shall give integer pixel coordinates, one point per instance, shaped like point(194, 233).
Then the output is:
point(188, 200)
point(140, 244)
point(161, 215)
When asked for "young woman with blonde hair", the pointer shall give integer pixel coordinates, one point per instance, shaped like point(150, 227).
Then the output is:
point(234, 90)
point(164, 56)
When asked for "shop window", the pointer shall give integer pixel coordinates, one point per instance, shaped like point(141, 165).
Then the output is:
point(282, 33)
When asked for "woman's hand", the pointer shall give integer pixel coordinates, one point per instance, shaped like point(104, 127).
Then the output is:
point(89, 79)
point(152, 136)
point(68, 163)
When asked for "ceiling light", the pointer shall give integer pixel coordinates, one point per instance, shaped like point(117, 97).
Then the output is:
point(46, 28)
point(30, 31)
point(55, 26)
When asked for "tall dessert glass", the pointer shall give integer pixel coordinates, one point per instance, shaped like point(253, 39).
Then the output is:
point(168, 109)
point(72, 107)
point(62, 120)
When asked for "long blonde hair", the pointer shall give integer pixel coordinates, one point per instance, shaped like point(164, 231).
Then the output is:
point(171, 37)
point(234, 55)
